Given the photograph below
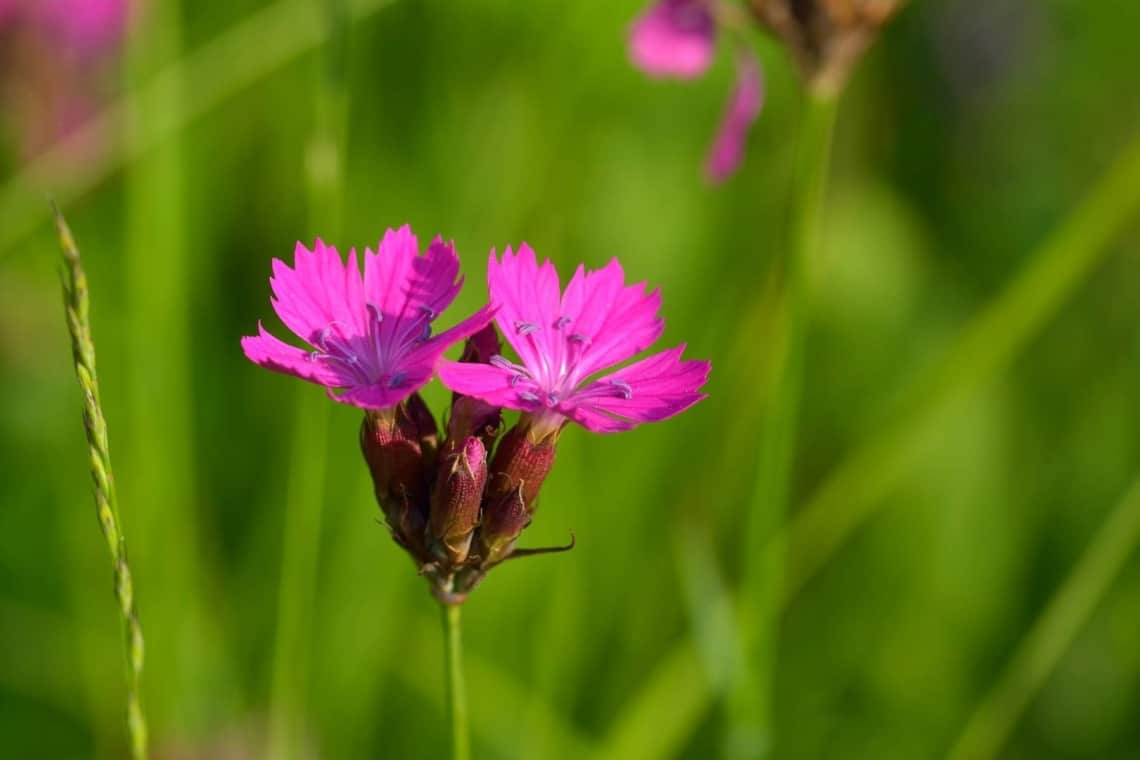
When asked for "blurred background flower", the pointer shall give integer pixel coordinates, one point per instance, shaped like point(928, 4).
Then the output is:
point(56, 57)
point(677, 38)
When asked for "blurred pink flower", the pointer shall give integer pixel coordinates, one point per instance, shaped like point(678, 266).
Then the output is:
point(743, 107)
point(564, 339)
point(52, 56)
point(674, 38)
point(371, 337)
point(7, 11)
point(89, 26)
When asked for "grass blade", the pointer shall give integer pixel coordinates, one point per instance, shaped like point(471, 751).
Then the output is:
point(1042, 648)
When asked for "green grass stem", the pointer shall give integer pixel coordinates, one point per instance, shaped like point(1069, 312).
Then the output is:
point(1052, 633)
point(77, 304)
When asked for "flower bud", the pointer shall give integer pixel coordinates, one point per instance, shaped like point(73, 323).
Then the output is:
point(504, 518)
point(456, 500)
point(827, 37)
point(521, 464)
point(398, 445)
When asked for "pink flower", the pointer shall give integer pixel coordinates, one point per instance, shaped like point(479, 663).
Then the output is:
point(53, 59)
point(371, 337)
point(674, 38)
point(565, 339)
point(89, 26)
point(743, 107)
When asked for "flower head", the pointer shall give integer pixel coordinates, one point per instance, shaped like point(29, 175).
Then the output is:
point(677, 38)
point(370, 337)
point(674, 38)
point(565, 339)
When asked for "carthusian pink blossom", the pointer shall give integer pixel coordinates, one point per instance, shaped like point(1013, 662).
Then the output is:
point(677, 38)
point(565, 340)
point(674, 38)
point(370, 341)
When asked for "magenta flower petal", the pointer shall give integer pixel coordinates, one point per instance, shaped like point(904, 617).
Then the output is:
point(527, 297)
point(370, 336)
point(744, 106)
point(620, 321)
point(483, 381)
point(659, 386)
point(275, 354)
point(673, 38)
point(563, 341)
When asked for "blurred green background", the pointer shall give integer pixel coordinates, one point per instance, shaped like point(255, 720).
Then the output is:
point(970, 134)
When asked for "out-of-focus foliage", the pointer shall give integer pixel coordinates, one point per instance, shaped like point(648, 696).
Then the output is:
point(966, 136)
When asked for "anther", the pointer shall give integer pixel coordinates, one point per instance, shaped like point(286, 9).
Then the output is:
point(528, 396)
point(397, 379)
point(526, 328)
point(624, 387)
point(500, 361)
point(561, 322)
point(580, 338)
point(322, 339)
point(374, 310)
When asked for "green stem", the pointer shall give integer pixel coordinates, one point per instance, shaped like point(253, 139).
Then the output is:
point(1042, 648)
point(750, 733)
point(456, 689)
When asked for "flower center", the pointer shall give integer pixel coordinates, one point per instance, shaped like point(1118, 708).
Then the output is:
point(557, 378)
point(368, 357)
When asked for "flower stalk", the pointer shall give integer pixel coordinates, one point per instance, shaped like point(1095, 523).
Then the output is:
point(456, 688)
point(77, 306)
point(749, 704)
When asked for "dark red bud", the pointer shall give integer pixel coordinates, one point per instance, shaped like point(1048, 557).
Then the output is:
point(470, 416)
point(456, 500)
point(504, 518)
point(521, 464)
point(393, 442)
point(423, 422)
point(481, 346)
